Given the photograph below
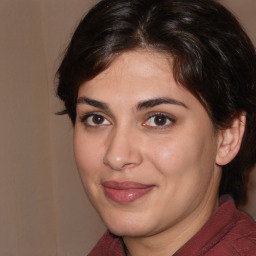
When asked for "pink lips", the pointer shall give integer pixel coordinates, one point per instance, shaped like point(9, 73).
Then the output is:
point(125, 192)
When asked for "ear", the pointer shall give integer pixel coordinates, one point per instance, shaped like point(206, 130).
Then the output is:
point(230, 140)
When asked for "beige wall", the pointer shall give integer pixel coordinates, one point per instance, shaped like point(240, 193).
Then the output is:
point(43, 209)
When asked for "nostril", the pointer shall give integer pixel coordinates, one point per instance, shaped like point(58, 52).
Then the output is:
point(114, 163)
point(120, 163)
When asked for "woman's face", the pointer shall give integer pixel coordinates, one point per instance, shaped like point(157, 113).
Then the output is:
point(145, 148)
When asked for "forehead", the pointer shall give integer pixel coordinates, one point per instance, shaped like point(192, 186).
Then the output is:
point(146, 62)
point(144, 72)
point(136, 76)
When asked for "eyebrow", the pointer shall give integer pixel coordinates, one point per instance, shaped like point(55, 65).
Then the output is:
point(158, 101)
point(140, 106)
point(91, 102)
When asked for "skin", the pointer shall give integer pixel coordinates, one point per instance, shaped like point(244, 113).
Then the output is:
point(179, 156)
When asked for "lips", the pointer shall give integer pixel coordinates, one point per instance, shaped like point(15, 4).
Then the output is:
point(125, 192)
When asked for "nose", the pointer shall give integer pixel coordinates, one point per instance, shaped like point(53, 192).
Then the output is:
point(123, 150)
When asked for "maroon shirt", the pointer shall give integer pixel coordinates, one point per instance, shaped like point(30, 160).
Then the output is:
point(229, 232)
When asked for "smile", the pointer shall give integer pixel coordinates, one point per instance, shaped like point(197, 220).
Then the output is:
point(125, 192)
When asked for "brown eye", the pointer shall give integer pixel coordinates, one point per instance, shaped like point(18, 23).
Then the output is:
point(159, 121)
point(95, 120)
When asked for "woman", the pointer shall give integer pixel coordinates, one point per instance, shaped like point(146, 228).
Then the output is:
point(162, 97)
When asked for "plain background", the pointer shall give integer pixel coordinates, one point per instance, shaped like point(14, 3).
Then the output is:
point(43, 208)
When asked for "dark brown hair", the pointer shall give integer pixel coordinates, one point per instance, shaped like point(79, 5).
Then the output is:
point(212, 57)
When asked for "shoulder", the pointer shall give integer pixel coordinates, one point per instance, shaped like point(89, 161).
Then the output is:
point(229, 232)
point(242, 237)
point(239, 238)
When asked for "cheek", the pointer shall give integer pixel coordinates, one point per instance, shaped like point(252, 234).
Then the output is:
point(170, 154)
point(186, 153)
point(87, 155)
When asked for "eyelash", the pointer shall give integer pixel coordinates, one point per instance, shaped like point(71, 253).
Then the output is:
point(171, 120)
point(84, 119)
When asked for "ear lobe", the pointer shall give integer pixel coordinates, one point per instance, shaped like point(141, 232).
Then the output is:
point(230, 140)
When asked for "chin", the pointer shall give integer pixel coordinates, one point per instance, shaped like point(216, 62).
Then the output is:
point(127, 225)
point(127, 231)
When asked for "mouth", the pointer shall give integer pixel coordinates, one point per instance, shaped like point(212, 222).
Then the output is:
point(125, 192)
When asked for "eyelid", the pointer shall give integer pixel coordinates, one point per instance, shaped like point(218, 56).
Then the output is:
point(86, 116)
point(155, 114)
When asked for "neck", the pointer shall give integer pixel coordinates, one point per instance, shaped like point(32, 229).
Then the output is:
point(168, 241)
